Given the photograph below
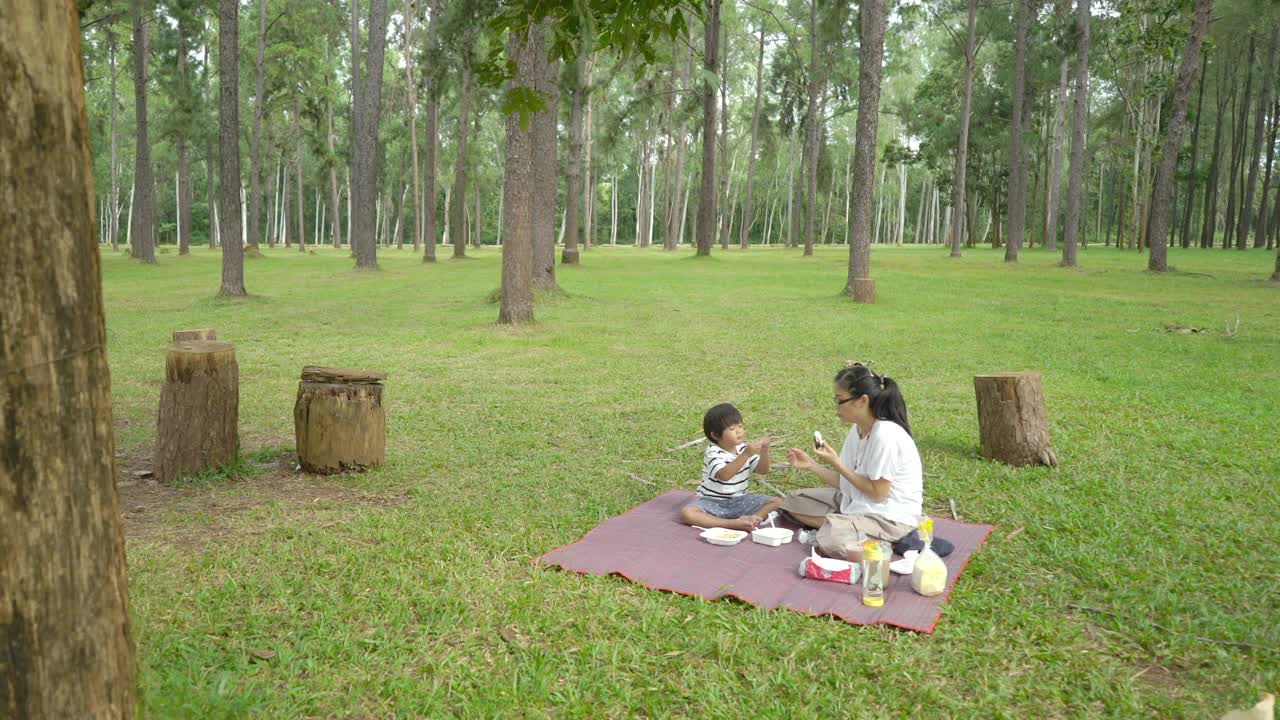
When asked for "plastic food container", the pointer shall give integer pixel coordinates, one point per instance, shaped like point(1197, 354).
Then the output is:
point(772, 536)
point(723, 536)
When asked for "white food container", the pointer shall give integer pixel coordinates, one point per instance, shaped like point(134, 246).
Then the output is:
point(772, 536)
point(723, 536)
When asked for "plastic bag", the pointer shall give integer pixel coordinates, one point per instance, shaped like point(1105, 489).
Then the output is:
point(816, 567)
point(929, 575)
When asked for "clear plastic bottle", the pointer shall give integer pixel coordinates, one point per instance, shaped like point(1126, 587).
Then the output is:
point(873, 573)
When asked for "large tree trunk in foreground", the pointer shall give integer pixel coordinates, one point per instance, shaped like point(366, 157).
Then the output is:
point(516, 296)
point(65, 650)
point(962, 149)
point(229, 208)
point(365, 165)
point(1157, 260)
point(142, 211)
point(1075, 176)
point(1017, 160)
point(859, 284)
point(707, 193)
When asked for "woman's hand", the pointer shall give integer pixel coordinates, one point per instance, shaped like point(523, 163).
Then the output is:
point(827, 455)
point(799, 460)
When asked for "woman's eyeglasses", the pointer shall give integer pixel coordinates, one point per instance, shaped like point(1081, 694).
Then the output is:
point(841, 401)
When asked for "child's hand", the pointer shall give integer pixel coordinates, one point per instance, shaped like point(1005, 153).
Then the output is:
point(753, 448)
point(799, 460)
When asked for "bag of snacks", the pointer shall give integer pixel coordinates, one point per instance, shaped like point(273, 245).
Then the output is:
point(929, 576)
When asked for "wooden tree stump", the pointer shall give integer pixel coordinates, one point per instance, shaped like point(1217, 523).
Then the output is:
point(339, 422)
point(200, 334)
point(199, 409)
point(1011, 419)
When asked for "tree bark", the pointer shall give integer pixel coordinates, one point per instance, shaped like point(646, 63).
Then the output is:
point(1188, 204)
point(1075, 175)
point(747, 208)
point(1238, 148)
point(113, 213)
point(962, 150)
point(545, 176)
point(184, 179)
point(1157, 259)
point(1261, 228)
point(364, 165)
point(333, 165)
point(707, 193)
point(197, 424)
point(142, 212)
point(297, 168)
point(812, 133)
point(412, 111)
point(64, 615)
point(459, 200)
point(791, 188)
point(1259, 124)
point(1211, 189)
point(255, 145)
point(429, 151)
point(723, 141)
point(516, 297)
point(1053, 180)
point(339, 420)
point(229, 208)
point(1017, 159)
point(574, 190)
point(1011, 419)
point(588, 185)
point(859, 284)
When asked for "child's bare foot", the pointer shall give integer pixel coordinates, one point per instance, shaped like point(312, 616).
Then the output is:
point(752, 522)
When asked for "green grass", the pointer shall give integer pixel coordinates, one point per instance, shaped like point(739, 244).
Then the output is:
point(508, 443)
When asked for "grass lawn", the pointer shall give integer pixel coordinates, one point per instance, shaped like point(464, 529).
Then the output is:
point(408, 591)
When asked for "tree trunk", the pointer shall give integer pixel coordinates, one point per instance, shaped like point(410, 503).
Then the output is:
point(229, 207)
point(723, 141)
point(1053, 180)
point(1259, 124)
point(545, 175)
point(859, 283)
point(812, 134)
point(459, 201)
point(429, 152)
point(1261, 228)
point(516, 297)
point(142, 222)
point(64, 615)
point(1011, 419)
point(1211, 190)
point(791, 189)
point(113, 213)
point(1238, 147)
point(333, 166)
point(574, 190)
point(412, 110)
point(1157, 259)
point(962, 150)
point(902, 201)
point(297, 168)
point(1075, 175)
point(1017, 158)
point(588, 185)
point(365, 132)
point(255, 144)
point(1188, 204)
point(707, 193)
point(339, 420)
point(747, 208)
point(283, 222)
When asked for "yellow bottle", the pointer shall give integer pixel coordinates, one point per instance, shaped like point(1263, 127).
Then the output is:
point(873, 573)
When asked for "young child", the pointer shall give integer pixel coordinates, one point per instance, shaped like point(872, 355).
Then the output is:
point(728, 462)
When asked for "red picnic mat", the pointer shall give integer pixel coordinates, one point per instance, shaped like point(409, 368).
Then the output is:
point(650, 546)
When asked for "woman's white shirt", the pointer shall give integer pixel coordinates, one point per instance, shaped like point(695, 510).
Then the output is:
point(886, 452)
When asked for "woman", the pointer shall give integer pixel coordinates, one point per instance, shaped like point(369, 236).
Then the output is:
point(875, 484)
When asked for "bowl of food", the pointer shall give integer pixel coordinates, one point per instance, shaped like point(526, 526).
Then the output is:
point(723, 536)
point(773, 536)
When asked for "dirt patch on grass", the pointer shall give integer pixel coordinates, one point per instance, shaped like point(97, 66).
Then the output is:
point(193, 516)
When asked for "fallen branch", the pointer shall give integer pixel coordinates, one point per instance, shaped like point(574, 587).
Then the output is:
point(953, 508)
point(1231, 332)
point(770, 485)
point(691, 443)
point(639, 479)
point(1201, 638)
point(1199, 274)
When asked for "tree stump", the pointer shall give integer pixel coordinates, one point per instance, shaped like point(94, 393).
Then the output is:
point(1011, 419)
point(201, 334)
point(199, 409)
point(339, 421)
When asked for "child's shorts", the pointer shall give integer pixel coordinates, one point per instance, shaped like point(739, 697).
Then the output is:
point(731, 507)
